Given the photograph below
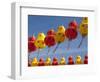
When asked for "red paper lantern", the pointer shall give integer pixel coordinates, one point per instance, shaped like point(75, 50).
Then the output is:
point(70, 60)
point(31, 38)
point(51, 32)
point(73, 24)
point(71, 33)
point(50, 40)
point(41, 62)
point(86, 59)
point(55, 61)
point(31, 47)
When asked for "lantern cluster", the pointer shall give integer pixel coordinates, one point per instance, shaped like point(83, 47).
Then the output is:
point(55, 38)
point(55, 61)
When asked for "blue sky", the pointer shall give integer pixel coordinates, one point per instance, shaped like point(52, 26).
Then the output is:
point(38, 24)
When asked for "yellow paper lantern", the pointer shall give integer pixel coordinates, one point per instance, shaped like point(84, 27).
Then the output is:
point(85, 20)
point(34, 62)
point(62, 61)
point(61, 29)
point(40, 44)
point(59, 37)
point(41, 36)
point(48, 61)
point(78, 60)
point(83, 29)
